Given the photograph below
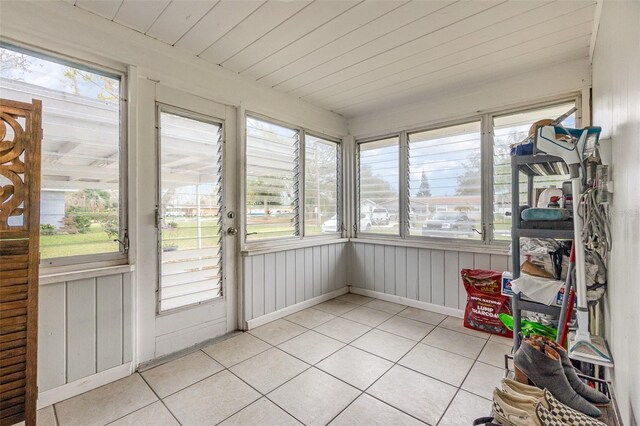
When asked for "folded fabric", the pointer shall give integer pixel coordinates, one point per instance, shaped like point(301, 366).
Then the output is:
point(538, 289)
point(544, 214)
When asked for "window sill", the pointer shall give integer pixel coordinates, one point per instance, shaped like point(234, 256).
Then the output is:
point(430, 244)
point(273, 247)
point(48, 276)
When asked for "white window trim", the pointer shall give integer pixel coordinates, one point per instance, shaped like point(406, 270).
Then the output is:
point(339, 189)
point(82, 262)
point(487, 241)
point(270, 245)
point(356, 192)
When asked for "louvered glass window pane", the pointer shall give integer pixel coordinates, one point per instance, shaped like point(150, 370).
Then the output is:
point(510, 129)
point(190, 203)
point(378, 186)
point(271, 181)
point(444, 182)
point(321, 186)
point(80, 202)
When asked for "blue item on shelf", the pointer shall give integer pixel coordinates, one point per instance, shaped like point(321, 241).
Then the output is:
point(550, 214)
point(522, 149)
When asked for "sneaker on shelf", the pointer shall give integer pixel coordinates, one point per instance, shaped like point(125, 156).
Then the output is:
point(566, 415)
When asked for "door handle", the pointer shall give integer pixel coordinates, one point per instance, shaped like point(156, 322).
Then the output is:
point(232, 231)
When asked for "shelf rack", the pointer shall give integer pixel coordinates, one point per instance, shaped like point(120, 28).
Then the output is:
point(532, 166)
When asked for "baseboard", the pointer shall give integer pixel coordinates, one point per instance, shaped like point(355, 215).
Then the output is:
point(85, 384)
point(272, 316)
point(458, 313)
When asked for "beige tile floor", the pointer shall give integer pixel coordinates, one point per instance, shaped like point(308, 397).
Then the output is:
point(351, 360)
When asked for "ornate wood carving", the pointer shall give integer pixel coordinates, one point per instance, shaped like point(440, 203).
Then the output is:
point(20, 139)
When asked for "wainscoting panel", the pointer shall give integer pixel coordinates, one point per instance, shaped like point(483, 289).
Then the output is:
point(84, 327)
point(427, 275)
point(274, 281)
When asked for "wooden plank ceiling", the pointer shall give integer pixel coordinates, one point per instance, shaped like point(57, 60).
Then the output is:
point(354, 57)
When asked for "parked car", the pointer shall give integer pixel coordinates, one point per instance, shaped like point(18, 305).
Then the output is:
point(380, 216)
point(449, 224)
point(365, 223)
point(331, 225)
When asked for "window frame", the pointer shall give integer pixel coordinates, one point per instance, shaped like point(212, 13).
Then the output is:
point(272, 244)
point(485, 118)
point(401, 187)
point(339, 182)
point(121, 257)
point(489, 117)
point(161, 107)
point(483, 217)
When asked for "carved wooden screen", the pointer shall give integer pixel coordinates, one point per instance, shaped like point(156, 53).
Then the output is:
point(20, 138)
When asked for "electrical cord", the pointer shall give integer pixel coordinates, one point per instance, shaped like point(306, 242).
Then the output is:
point(596, 232)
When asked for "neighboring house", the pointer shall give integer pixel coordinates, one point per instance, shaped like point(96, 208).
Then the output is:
point(425, 206)
point(367, 206)
point(52, 207)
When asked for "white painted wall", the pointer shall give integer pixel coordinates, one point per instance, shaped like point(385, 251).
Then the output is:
point(431, 276)
point(616, 107)
point(85, 331)
point(277, 280)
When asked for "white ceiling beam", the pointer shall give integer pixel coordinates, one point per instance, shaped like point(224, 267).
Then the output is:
point(596, 26)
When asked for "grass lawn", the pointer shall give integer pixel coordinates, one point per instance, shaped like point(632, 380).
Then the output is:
point(93, 242)
point(184, 237)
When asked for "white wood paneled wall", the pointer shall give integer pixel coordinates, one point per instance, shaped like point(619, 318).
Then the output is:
point(84, 327)
point(427, 275)
point(274, 281)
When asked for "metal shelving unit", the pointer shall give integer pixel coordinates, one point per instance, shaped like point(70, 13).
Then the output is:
point(533, 166)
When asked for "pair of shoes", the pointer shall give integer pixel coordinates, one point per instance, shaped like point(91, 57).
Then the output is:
point(514, 410)
point(587, 392)
point(540, 363)
point(566, 415)
point(517, 404)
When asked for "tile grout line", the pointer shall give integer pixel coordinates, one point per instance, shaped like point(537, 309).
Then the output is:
point(160, 399)
point(389, 369)
point(134, 411)
point(461, 384)
point(344, 344)
point(262, 395)
point(458, 388)
point(315, 366)
point(230, 372)
point(310, 366)
point(55, 414)
point(385, 372)
point(413, 347)
point(306, 329)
